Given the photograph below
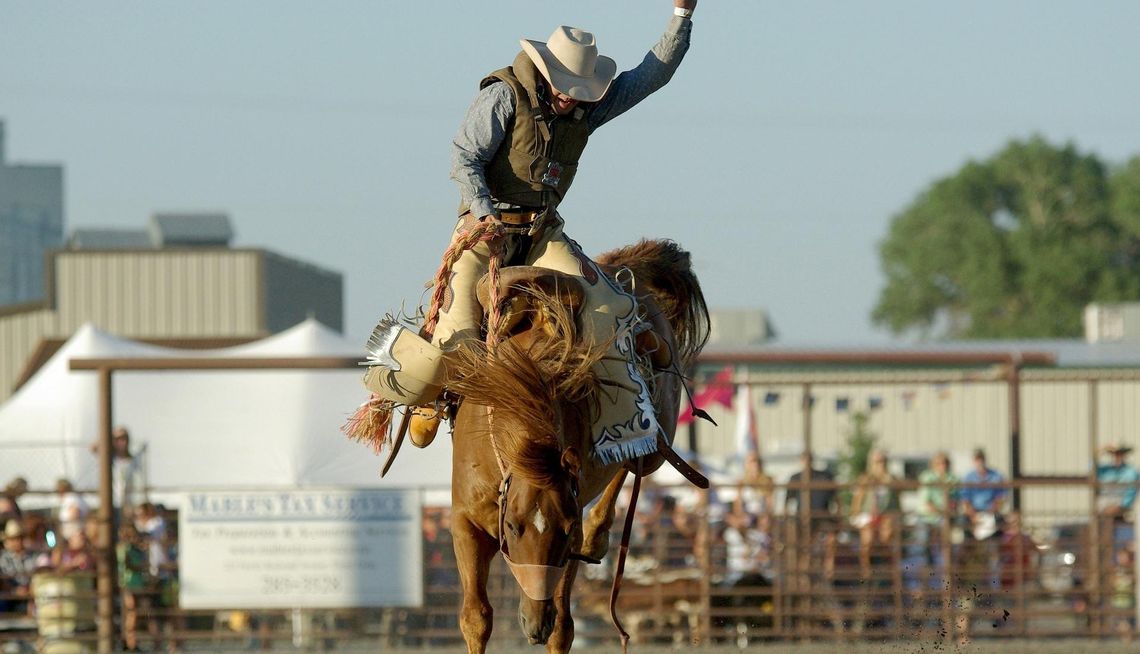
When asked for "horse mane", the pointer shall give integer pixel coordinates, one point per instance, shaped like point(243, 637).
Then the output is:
point(665, 270)
point(529, 379)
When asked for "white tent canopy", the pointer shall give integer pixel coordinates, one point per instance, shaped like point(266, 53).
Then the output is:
point(207, 429)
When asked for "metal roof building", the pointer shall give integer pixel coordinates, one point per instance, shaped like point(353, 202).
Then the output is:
point(184, 286)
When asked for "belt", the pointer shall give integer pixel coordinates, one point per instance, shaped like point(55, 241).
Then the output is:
point(520, 217)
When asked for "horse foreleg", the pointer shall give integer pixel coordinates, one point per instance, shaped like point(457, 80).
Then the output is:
point(563, 635)
point(473, 553)
point(596, 530)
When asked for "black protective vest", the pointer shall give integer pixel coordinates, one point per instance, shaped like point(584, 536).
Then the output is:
point(537, 161)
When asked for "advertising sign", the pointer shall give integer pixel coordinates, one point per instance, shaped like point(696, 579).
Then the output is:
point(300, 549)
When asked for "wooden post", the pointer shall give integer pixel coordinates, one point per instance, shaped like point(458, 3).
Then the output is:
point(105, 548)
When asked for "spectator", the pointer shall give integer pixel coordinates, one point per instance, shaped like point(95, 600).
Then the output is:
point(982, 506)
point(9, 507)
point(74, 555)
point(935, 503)
point(815, 552)
point(440, 576)
point(1123, 600)
point(874, 509)
point(748, 545)
point(151, 527)
point(17, 565)
point(73, 510)
point(982, 511)
point(1116, 501)
point(1018, 554)
point(821, 501)
point(756, 489)
point(126, 473)
point(132, 582)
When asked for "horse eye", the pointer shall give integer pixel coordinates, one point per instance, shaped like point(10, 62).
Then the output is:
point(514, 528)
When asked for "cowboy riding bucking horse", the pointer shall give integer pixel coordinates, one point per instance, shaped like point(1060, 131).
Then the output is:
point(514, 158)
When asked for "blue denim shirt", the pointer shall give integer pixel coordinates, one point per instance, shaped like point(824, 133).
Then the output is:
point(982, 499)
point(1118, 474)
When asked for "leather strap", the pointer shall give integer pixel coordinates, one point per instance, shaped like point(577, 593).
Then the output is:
point(623, 552)
point(400, 433)
point(680, 465)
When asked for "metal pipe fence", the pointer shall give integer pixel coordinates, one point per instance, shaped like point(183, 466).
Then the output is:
point(697, 575)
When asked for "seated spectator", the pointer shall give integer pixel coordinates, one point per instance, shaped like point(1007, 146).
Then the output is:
point(17, 565)
point(756, 490)
point(982, 506)
point(936, 502)
point(748, 545)
point(1018, 554)
point(1123, 582)
point(73, 509)
point(982, 510)
point(74, 555)
point(875, 509)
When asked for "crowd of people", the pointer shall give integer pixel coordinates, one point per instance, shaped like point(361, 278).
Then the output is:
point(62, 541)
point(756, 532)
point(857, 534)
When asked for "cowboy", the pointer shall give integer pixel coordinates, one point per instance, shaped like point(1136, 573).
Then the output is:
point(514, 158)
point(1116, 500)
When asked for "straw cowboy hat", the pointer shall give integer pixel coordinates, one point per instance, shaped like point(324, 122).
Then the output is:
point(569, 60)
point(1117, 448)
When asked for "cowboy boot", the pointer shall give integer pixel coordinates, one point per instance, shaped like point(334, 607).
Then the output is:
point(423, 425)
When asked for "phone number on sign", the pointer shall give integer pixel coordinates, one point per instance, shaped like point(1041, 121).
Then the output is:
point(302, 584)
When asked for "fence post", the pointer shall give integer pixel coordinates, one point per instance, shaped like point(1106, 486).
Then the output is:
point(106, 562)
point(705, 538)
point(1015, 429)
point(1095, 601)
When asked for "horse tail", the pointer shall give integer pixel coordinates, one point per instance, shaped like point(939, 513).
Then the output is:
point(665, 270)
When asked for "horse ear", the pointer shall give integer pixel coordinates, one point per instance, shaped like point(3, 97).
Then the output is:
point(572, 462)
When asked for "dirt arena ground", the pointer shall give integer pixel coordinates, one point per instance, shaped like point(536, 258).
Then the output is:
point(987, 646)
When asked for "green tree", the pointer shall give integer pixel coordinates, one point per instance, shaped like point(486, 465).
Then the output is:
point(1014, 246)
point(860, 442)
point(853, 459)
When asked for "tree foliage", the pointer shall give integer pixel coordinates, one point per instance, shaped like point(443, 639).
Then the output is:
point(860, 441)
point(1014, 246)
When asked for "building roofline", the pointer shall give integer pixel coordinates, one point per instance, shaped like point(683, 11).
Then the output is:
point(880, 357)
point(191, 249)
point(23, 307)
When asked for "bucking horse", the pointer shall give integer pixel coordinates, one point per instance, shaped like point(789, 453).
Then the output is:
point(523, 465)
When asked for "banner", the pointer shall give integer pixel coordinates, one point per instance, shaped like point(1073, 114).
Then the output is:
point(300, 549)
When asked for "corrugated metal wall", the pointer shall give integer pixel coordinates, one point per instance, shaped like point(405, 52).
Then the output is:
point(295, 290)
point(911, 419)
point(915, 419)
point(160, 294)
point(140, 294)
point(20, 333)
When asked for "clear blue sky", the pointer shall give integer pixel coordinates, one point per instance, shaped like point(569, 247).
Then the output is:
point(778, 154)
